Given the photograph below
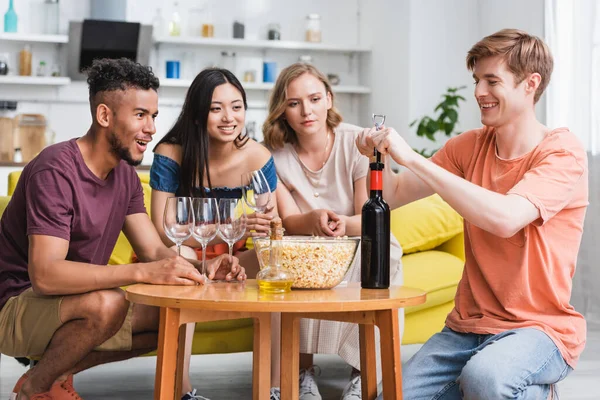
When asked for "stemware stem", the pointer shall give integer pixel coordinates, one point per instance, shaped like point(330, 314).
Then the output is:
point(204, 260)
point(178, 249)
point(230, 249)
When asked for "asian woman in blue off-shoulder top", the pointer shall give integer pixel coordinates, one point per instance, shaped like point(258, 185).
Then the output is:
point(204, 155)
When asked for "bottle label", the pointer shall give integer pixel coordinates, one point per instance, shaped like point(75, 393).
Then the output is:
point(376, 180)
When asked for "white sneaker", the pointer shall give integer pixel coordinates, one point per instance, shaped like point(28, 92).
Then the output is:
point(308, 385)
point(275, 394)
point(193, 396)
point(353, 390)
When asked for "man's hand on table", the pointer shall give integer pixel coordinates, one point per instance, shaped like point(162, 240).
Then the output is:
point(170, 271)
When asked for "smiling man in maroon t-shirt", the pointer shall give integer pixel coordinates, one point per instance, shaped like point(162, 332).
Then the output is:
point(58, 300)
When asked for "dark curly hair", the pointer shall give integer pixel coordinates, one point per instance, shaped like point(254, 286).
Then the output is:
point(108, 75)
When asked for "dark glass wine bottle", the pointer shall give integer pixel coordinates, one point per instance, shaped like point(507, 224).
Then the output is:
point(375, 243)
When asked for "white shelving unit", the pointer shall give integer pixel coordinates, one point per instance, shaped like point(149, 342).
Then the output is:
point(33, 38)
point(257, 44)
point(35, 80)
point(185, 83)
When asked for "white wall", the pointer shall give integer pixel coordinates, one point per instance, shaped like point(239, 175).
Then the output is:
point(419, 47)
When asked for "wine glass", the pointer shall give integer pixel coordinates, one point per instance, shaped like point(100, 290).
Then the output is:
point(232, 221)
point(206, 224)
point(178, 220)
point(256, 191)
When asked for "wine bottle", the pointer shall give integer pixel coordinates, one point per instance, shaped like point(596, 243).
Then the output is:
point(375, 243)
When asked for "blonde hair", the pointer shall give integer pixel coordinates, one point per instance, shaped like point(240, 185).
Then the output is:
point(524, 54)
point(276, 130)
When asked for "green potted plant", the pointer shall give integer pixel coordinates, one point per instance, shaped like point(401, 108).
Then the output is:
point(445, 121)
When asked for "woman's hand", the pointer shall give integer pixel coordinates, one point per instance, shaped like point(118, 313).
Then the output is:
point(327, 223)
point(259, 223)
point(225, 267)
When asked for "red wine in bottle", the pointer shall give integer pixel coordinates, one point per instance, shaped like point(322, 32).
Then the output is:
point(375, 243)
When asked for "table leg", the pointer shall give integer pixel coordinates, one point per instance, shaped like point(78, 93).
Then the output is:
point(391, 367)
point(290, 349)
point(368, 369)
point(181, 351)
point(166, 362)
point(261, 357)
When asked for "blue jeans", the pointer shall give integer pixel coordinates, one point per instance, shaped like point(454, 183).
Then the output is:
point(517, 364)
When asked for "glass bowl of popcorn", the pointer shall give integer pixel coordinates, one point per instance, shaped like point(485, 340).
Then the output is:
point(315, 262)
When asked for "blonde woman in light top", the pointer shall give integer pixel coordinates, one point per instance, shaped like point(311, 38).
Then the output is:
point(323, 190)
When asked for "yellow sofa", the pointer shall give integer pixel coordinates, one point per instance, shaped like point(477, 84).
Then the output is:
point(431, 235)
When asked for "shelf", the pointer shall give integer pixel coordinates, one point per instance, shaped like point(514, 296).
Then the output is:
point(259, 44)
point(35, 80)
point(33, 38)
point(185, 83)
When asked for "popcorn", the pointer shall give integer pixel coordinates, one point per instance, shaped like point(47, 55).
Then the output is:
point(317, 263)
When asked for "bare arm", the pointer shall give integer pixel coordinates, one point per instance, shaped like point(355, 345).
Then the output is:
point(499, 214)
point(316, 222)
point(398, 188)
point(51, 274)
point(353, 223)
point(294, 222)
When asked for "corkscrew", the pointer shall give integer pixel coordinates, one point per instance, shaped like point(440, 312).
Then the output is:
point(378, 121)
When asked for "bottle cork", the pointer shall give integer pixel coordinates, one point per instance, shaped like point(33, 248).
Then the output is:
point(276, 226)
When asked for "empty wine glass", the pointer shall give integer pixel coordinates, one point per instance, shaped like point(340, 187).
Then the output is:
point(206, 224)
point(178, 220)
point(256, 190)
point(232, 221)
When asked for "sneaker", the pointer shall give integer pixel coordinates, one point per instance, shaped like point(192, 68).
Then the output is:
point(353, 390)
point(20, 382)
point(67, 386)
point(308, 385)
point(193, 396)
point(59, 391)
point(275, 394)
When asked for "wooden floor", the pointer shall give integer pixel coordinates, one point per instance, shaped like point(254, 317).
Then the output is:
point(224, 377)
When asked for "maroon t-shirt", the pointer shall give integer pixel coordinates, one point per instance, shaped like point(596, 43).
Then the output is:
point(57, 195)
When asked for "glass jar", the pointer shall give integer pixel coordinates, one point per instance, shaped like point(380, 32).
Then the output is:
point(228, 61)
point(238, 30)
point(41, 69)
point(3, 63)
point(51, 17)
point(175, 22)
point(274, 32)
point(208, 28)
point(158, 24)
point(313, 28)
point(275, 278)
point(25, 61)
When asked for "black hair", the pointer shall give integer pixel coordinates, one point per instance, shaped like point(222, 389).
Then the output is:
point(108, 75)
point(190, 132)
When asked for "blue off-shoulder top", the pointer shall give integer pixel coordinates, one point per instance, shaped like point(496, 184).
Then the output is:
point(164, 176)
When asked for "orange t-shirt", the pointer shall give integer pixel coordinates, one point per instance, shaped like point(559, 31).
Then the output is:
point(524, 281)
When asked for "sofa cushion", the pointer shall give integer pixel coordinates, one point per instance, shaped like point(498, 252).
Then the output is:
point(425, 224)
point(123, 253)
point(3, 203)
point(435, 272)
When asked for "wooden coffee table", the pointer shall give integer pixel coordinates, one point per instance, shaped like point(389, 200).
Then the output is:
point(221, 301)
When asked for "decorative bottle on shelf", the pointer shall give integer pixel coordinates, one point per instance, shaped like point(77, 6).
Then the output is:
point(51, 16)
point(175, 23)
point(18, 156)
point(10, 18)
point(25, 61)
point(375, 237)
point(158, 24)
point(275, 278)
